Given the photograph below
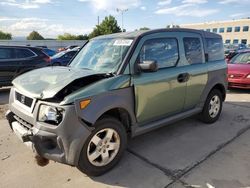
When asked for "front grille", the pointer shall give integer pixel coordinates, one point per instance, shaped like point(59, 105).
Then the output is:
point(27, 101)
point(24, 123)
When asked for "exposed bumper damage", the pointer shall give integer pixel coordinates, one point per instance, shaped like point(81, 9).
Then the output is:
point(60, 143)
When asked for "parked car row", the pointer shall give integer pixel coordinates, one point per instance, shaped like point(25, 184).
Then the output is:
point(16, 60)
point(239, 69)
point(238, 59)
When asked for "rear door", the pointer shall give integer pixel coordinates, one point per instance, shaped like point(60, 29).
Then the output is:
point(26, 60)
point(8, 65)
point(194, 58)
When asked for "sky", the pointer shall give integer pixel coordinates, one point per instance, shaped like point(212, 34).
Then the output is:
point(53, 17)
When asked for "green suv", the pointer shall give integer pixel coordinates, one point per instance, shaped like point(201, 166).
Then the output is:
point(118, 86)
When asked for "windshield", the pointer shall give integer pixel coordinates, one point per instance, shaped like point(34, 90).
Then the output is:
point(102, 55)
point(242, 58)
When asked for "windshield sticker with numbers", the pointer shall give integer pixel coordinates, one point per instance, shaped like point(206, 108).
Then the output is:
point(123, 42)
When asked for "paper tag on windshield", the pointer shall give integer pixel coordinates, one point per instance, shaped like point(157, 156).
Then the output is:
point(123, 42)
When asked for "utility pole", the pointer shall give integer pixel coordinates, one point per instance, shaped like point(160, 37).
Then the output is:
point(122, 12)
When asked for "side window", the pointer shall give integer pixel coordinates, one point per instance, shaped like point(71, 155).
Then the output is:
point(215, 49)
point(193, 51)
point(71, 54)
point(6, 53)
point(164, 51)
point(23, 53)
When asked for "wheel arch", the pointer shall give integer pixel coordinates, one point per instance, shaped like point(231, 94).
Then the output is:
point(211, 86)
point(221, 88)
point(116, 103)
point(122, 115)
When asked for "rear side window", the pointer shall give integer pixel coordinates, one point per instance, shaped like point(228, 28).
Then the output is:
point(215, 49)
point(6, 53)
point(24, 53)
point(164, 51)
point(193, 51)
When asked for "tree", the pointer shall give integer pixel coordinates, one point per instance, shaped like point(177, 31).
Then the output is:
point(5, 36)
point(68, 36)
point(144, 28)
point(34, 35)
point(108, 26)
point(82, 37)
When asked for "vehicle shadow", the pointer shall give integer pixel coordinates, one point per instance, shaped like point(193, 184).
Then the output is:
point(4, 95)
point(176, 148)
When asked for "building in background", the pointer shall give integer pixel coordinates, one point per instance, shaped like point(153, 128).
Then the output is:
point(232, 32)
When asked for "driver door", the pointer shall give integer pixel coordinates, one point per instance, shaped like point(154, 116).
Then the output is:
point(162, 93)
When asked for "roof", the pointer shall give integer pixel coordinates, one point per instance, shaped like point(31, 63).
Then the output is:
point(132, 34)
point(20, 46)
point(136, 34)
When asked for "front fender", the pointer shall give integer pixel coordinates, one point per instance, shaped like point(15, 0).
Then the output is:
point(120, 98)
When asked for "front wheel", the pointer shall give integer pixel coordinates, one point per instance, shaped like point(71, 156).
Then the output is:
point(212, 108)
point(103, 148)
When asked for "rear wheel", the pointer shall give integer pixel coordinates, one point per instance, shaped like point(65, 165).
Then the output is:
point(212, 108)
point(103, 148)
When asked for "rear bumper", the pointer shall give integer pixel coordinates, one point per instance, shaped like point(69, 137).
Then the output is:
point(62, 143)
point(239, 83)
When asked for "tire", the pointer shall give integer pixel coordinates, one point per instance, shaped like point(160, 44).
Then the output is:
point(207, 116)
point(93, 145)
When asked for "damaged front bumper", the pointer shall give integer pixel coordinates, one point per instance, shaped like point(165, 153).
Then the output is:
point(61, 143)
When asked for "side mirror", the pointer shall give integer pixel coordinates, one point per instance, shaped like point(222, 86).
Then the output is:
point(148, 66)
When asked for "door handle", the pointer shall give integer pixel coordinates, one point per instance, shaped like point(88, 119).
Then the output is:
point(184, 77)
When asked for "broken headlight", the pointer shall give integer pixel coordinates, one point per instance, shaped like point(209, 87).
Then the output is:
point(50, 114)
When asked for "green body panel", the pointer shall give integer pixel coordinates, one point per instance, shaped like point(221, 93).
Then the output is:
point(159, 94)
point(196, 84)
point(104, 85)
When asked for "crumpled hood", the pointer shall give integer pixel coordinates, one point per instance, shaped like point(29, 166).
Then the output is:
point(47, 82)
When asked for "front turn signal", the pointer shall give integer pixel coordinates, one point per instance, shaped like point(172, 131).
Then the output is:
point(84, 103)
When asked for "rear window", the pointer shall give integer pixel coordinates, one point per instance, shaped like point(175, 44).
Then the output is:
point(215, 49)
point(6, 53)
point(193, 51)
point(24, 53)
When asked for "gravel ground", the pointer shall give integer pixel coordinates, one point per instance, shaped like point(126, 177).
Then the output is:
point(3, 109)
